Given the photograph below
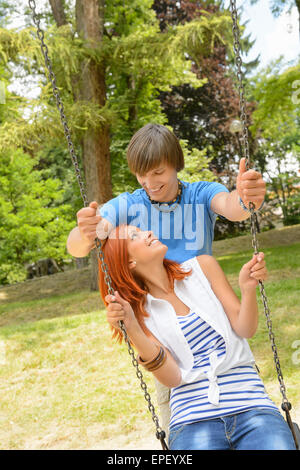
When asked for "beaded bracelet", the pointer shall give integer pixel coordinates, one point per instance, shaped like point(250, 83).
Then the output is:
point(246, 208)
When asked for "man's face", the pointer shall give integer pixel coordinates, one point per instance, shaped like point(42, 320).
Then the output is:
point(160, 183)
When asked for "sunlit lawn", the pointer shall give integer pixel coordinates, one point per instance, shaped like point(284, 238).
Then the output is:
point(65, 385)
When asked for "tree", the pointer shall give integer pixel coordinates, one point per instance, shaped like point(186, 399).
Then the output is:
point(280, 166)
point(138, 62)
point(110, 66)
point(34, 221)
point(158, 63)
point(276, 125)
point(202, 116)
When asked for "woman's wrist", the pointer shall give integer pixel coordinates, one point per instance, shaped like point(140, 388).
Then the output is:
point(248, 298)
point(135, 331)
point(248, 291)
point(249, 301)
point(144, 345)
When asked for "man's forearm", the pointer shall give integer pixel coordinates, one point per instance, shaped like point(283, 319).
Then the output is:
point(233, 209)
point(76, 246)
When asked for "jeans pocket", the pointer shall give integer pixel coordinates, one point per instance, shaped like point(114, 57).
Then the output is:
point(174, 433)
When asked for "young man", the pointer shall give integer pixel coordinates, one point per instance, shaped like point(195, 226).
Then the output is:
point(182, 215)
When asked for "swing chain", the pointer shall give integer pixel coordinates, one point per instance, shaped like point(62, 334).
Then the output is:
point(286, 405)
point(239, 73)
point(160, 433)
point(59, 104)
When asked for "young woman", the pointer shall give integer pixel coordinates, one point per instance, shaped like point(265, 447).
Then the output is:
point(190, 329)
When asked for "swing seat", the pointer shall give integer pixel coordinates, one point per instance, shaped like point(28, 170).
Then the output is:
point(297, 434)
point(163, 399)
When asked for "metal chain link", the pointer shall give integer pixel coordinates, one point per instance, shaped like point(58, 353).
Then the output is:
point(160, 433)
point(239, 73)
point(245, 145)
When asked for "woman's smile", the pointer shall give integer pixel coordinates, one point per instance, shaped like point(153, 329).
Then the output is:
point(154, 241)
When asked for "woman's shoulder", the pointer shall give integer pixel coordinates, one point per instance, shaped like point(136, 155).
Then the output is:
point(205, 260)
point(202, 264)
point(200, 260)
point(212, 270)
point(208, 264)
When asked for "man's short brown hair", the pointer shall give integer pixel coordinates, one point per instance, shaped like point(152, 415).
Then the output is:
point(151, 146)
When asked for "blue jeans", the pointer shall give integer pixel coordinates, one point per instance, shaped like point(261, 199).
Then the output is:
point(255, 429)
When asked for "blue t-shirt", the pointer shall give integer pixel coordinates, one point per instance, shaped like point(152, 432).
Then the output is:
point(187, 231)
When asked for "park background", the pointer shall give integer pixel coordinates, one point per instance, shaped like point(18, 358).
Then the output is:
point(63, 383)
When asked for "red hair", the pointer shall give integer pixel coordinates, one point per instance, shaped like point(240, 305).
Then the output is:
point(130, 286)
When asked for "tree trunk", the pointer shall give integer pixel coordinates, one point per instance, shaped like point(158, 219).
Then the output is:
point(91, 87)
point(132, 107)
point(96, 156)
point(57, 8)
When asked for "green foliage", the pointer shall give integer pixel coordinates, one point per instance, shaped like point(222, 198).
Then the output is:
point(37, 118)
point(139, 60)
point(199, 37)
point(34, 221)
point(276, 125)
point(142, 62)
point(66, 51)
point(54, 161)
point(275, 93)
point(196, 165)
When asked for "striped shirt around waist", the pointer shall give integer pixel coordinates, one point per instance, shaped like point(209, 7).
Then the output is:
point(240, 388)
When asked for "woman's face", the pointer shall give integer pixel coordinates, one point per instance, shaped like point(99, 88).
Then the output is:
point(143, 247)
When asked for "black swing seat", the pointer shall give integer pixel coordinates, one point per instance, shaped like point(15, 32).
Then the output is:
point(296, 430)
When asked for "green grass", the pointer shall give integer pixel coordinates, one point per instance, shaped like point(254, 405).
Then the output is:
point(18, 312)
point(63, 373)
point(65, 385)
point(282, 291)
point(278, 258)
